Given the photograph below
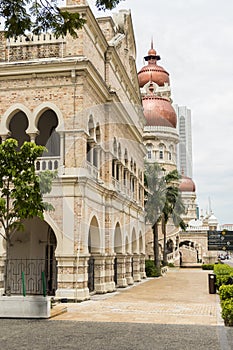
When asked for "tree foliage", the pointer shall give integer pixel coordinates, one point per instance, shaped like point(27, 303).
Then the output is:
point(21, 189)
point(37, 16)
point(163, 203)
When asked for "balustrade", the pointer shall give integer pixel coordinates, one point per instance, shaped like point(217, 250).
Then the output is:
point(47, 163)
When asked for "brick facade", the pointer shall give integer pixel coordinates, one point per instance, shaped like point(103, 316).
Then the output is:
point(88, 85)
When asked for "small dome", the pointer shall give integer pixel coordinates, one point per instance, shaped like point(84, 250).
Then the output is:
point(195, 223)
point(212, 221)
point(153, 72)
point(158, 111)
point(152, 52)
point(187, 184)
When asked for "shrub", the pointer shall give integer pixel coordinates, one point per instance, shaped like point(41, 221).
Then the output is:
point(223, 274)
point(221, 280)
point(226, 292)
point(222, 269)
point(151, 270)
point(227, 311)
point(207, 266)
point(171, 265)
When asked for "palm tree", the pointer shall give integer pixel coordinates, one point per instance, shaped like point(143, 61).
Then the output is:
point(163, 202)
point(173, 208)
point(155, 199)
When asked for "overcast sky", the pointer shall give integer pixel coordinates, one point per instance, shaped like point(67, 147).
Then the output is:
point(195, 41)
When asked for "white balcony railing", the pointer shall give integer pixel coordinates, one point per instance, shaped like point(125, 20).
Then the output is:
point(47, 163)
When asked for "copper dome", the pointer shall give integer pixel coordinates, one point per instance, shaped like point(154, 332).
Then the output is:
point(158, 111)
point(153, 72)
point(187, 184)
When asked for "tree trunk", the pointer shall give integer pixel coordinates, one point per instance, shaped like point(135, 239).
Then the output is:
point(164, 242)
point(7, 290)
point(156, 247)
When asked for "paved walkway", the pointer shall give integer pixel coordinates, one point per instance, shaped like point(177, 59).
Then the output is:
point(180, 297)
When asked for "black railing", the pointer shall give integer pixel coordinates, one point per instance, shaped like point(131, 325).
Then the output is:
point(31, 276)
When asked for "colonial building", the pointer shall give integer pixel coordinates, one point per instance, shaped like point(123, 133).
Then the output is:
point(80, 98)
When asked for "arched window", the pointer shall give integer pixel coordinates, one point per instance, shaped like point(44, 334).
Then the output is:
point(48, 136)
point(18, 126)
point(115, 146)
point(161, 151)
point(149, 150)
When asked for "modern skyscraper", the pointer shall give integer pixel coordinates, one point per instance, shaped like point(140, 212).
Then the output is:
point(184, 147)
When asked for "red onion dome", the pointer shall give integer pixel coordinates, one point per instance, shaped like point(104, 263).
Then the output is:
point(153, 72)
point(187, 184)
point(158, 111)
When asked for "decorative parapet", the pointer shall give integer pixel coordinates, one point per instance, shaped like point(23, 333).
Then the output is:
point(30, 39)
point(32, 47)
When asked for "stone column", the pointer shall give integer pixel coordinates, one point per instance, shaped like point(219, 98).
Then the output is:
point(72, 278)
point(121, 270)
point(33, 137)
point(129, 272)
point(142, 266)
point(99, 273)
point(136, 268)
point(109, 273)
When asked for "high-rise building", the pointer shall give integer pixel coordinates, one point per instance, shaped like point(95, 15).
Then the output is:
point(184, 147)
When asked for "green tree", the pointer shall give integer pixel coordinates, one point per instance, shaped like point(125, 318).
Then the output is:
point(163, 202)
point(36, 16)
point(156, 196)
point(21, 189)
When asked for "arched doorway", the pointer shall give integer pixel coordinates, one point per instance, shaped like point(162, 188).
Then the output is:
point(93, 247)
point(189, 251)
point(31, 262)
point(170, 246)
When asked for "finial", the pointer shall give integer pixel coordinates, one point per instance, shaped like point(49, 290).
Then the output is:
point(152, 54)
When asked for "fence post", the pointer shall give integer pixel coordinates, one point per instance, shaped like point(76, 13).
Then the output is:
point(23, 283)
point(43, 283)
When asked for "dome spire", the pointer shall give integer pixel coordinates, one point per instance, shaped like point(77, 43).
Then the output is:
point(152, 71)
point(152, 54)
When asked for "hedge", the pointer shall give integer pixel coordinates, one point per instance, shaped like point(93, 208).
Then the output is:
point(207, 266)
point(226, 292)
point(224, 280)
point(227, 311)
point(151, 270)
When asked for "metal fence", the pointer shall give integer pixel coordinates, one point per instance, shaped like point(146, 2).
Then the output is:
point(31, 276)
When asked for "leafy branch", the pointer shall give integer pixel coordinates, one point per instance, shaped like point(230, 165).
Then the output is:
point(37, 16)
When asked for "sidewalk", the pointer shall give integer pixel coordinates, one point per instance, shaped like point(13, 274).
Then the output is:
point(180, 297)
